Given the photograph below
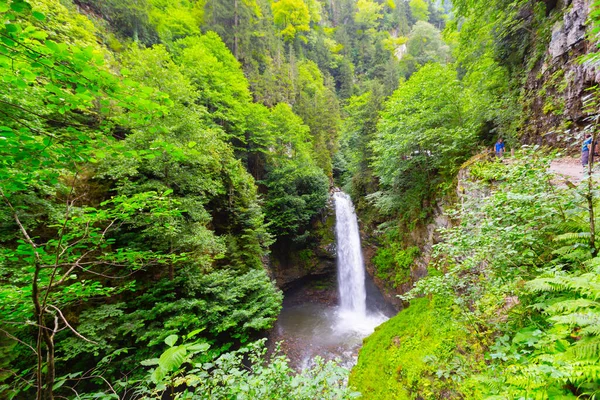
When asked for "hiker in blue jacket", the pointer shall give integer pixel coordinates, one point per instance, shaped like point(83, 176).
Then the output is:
point(585, 150)
point(499, 147)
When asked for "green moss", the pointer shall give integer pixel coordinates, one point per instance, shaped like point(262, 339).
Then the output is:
point(394, 259)
point(416, 354)
point(393, 264)
point(325, 231)
point(305, 255)
point(384, 262)
point(404, 261)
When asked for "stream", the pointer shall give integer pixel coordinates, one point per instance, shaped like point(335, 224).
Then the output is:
point(330, 317)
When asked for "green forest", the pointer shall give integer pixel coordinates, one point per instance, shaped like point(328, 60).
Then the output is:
point(161, 161)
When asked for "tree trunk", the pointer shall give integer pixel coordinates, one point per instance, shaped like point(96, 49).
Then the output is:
point(50, 366)
point(44, 381)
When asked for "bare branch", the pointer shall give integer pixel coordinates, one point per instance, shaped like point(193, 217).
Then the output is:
point(55, 328)
point(60, 239)
point(70, 327)
point(74, 391)
point(112, 389)
point(108, 276)
point(18, 340)
point(17, 376)
point(75, 243)
point(21, 227)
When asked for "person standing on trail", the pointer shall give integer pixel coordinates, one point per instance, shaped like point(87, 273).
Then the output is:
point(499, 147)
point(585, 150)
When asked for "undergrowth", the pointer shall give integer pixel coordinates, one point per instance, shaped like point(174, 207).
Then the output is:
point(514, 291)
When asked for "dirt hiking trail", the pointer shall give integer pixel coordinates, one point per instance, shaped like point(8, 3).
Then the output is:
point(567, 168)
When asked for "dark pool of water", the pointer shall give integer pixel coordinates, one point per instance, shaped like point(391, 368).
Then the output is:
point(311, 323)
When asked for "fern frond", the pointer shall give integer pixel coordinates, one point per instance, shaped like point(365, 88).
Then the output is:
point(573, 237)
point(543, 285)
point(585, 373)
point(561, 251)
point(570, 225)
point(587, 285)
point(592, 330)
point(587, 348)
point(571, 305)
point(577, 319)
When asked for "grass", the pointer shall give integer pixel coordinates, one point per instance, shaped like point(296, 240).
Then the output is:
point(416, 354)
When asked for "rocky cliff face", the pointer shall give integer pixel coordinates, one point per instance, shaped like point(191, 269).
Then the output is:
point(424, 237)
point(557, 81)
point(289, 266)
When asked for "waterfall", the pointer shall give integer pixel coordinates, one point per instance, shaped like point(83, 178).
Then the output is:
point(335, 330)
point(351, 271)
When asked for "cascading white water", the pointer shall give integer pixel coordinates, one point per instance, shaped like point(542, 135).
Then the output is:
point(336, 331)
point(352, 317)
point(351, 272)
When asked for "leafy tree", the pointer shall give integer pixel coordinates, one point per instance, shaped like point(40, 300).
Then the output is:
point(316, 103)
point(276, 83)
point(61, 237)
point(368, 13)
point(128, 17)
point(359, 127)
point(175, 20)
point(292, 137)
point(222, 88)
point(296, 194)
point(423, 135)
point(90, 217)
point(234, 21)
point(424, 45)
point(292, 17)
point(419, 10)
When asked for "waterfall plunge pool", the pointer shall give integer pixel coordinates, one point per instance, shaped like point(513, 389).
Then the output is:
point(330, 317)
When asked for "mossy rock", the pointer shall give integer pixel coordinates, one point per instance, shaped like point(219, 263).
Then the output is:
point(324, 230)
point(409, 356)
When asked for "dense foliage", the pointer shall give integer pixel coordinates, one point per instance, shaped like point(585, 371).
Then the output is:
point(130, 189)
point(154, 154)
point(514, 287)
point(517, 273)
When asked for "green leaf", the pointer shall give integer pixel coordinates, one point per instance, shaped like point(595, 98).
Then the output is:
point(149, 362)
point(171, 340)
point(7, 41)
point(52, 46)
point(12, 27)
point(172, 359)
point(158, 375)
point(20, 6)
point(38, 15)
point(58, 384)
point(200, 347)
point(194, 333)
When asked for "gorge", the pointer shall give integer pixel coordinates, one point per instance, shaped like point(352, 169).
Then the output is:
point(169, 175)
